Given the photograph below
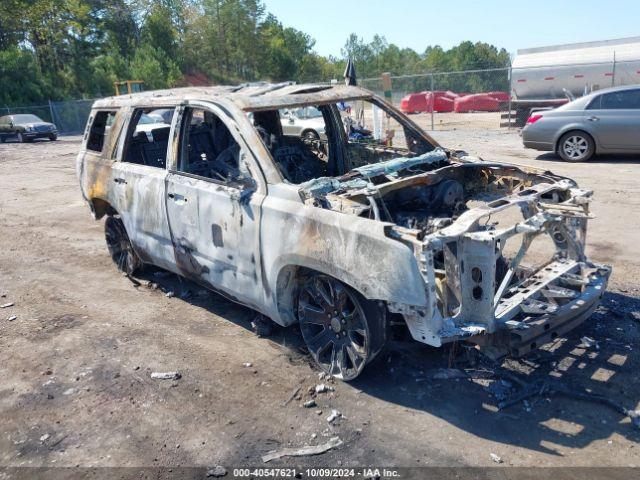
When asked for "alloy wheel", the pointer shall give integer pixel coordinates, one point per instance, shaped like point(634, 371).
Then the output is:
point(575, 147)
point(334, 327)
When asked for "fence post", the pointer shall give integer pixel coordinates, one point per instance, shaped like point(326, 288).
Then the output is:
point(53, 120)
point(386, 87)
point(510, 73)
point(78, 122)
point(613, 70)
point(432, 101)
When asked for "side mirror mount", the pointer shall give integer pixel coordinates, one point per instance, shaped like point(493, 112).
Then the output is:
point(11, 124)
point(291, 119)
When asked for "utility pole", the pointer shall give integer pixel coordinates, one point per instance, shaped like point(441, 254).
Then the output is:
point(510, 73)
point(613, 70)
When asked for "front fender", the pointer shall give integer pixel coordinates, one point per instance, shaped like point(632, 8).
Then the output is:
point(351, 249)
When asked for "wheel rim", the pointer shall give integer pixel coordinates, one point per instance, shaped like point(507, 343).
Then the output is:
point(119, 247)
point(334, 327)
point(575, 147)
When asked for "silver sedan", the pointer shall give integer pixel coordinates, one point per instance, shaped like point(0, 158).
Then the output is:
point(606, 121)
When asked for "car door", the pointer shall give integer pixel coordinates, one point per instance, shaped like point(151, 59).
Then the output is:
point(290, 123)
point(4, 126)
point(615, 119)
point(213, 199)
point(138, 185)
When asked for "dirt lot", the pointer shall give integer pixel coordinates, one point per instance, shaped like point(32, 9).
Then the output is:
point(75, 363)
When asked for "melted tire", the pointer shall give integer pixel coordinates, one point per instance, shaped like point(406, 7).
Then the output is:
point(342, 330)
point(119, 246)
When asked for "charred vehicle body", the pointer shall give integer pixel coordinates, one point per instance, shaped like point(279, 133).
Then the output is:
point(344, 235)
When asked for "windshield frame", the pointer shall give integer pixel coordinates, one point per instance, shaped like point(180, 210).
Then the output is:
point(407, 123)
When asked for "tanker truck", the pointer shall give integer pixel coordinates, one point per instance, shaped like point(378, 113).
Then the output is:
point(547, 77)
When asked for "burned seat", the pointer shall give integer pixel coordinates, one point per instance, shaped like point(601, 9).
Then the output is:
point(154, 154)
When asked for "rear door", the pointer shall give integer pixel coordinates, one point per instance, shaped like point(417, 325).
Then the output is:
point(213, 199)
point(615, 119)
point(138, 183)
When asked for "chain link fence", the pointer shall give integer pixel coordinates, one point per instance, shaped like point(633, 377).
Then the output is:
point(494, 98)
point(70, 116)
point(42, 111)
point(435, 100)
point(469, 99)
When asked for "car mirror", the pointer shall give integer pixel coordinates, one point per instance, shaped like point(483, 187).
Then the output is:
point(291, 119)
point(11, 124)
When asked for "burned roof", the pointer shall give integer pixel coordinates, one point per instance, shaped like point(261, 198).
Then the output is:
point(249, 96)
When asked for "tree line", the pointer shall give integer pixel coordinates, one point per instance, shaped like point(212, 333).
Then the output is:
point(67, 49)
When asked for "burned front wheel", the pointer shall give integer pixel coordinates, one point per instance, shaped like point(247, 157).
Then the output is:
point(119, 246)
point(342, 329)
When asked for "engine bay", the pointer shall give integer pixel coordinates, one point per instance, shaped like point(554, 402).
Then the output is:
point(429, 192)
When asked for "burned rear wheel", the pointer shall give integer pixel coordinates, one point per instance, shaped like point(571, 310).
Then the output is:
point(342, 329)
point(119, 246)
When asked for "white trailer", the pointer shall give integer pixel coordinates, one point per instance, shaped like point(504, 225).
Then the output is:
point(543, 77)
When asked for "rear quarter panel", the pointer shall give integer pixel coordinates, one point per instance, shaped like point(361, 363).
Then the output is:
point(94, 169)
point(555, 124)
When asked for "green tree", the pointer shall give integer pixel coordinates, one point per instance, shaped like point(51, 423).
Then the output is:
point(57, 49)
point(154, 67)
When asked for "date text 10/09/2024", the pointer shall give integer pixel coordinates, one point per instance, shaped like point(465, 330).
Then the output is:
point(316, 473)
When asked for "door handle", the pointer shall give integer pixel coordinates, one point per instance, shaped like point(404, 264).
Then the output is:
point(119, 180)
point(593, 118)
point(177, 197)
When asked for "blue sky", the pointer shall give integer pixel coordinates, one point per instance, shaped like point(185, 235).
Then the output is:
point(416, 24)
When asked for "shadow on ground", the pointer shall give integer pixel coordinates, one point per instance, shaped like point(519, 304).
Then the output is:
point(402, 375)
point(616, 159)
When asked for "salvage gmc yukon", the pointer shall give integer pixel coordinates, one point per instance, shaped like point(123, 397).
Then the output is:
point(370, 224)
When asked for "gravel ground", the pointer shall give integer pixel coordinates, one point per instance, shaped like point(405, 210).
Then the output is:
point(76, 361)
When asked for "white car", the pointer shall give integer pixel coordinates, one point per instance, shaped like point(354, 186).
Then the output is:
point(305, 122)
point(148, 123)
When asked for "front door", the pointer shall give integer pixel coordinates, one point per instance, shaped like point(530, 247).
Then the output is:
point(213, 205)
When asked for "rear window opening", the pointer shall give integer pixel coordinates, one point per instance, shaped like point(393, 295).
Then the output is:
point(100, 127)
point(148, 137)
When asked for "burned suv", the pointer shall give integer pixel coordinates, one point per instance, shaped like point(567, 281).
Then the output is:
point(376, 224)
